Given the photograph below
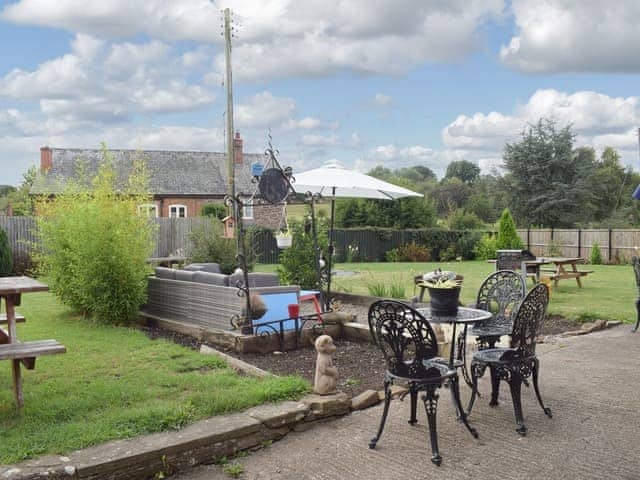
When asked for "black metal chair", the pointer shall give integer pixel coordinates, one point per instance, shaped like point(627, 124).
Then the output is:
point(518, 362)
point(500, 293)
point(410, 349)
point(635, 261)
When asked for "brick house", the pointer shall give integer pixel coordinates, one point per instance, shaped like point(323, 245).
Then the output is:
point(181, 182)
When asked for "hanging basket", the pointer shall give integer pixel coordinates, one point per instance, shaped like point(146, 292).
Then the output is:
point(284, 241)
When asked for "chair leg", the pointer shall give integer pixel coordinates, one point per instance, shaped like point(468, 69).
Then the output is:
point(413, 393)
point(635, 329)
point(455, 392)
point(515, 383)
point(495, 386)
point(476, 372)
point(385, 412)
point(536, 366)
point(430, 399)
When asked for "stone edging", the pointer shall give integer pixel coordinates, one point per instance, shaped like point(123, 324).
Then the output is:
point(201, 442)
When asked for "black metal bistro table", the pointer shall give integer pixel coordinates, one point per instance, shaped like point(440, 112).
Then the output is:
point(466, 316)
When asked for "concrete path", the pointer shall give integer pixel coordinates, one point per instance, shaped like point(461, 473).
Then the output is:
point(592, 384)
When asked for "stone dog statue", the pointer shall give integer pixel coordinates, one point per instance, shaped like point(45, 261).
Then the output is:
point(326, 378)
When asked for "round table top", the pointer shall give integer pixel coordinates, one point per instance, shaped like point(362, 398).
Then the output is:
point(464, 315)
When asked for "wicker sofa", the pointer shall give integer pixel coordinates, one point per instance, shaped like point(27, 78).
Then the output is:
point(201, 296)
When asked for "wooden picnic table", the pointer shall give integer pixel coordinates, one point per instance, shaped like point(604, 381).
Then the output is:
point(11, 289)
point(564, 268)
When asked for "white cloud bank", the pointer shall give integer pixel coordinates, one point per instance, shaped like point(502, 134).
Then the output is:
point(574, 36)
point(282, 38)
point(598, 121)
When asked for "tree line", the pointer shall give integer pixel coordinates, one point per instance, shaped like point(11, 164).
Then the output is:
point(545, 181)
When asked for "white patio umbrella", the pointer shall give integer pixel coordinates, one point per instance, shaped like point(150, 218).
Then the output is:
point(333, 181)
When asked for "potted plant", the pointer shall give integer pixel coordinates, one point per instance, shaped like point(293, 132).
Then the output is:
point(444, 292)
point(284, 239)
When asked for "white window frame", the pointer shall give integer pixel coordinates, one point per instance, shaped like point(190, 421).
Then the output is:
point(247, 209)
point(147, 208)
point(177, 207)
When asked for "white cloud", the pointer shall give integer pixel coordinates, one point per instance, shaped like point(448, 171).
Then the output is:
point(598, 120)
point(279, 38)
point(382, 100)
point(394, 157)
point(264, 110)
point(574, 36)
point(107, 83)
point(320, 140)
point(187, 19)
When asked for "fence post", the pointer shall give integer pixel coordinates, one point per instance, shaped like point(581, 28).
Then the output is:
point(610, 247)
point(528, 238)
point(579, 242)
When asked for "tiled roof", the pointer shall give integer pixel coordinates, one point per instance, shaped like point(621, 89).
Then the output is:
point(170, 172)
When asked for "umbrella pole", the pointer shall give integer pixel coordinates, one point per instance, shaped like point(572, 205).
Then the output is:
point(330, 259)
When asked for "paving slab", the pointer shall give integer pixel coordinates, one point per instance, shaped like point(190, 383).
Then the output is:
point(592, 384)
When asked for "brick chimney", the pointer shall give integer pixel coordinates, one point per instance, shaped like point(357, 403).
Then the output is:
point(237, 149)
point(46, 159)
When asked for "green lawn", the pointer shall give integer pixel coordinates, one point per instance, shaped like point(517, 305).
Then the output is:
point(114, 382)
point(607, 293)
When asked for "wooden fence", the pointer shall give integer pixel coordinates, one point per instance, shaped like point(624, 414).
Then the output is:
point(616, 245)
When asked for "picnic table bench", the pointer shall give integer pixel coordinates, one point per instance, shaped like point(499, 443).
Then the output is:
point(21, 353)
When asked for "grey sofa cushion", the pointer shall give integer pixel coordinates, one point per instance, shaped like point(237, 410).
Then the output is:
point(184, 275)
point(163, 272)
point(256, 279)
point(211, 278)
point(204, 267)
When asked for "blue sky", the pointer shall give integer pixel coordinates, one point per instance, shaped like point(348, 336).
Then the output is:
point(391, 82)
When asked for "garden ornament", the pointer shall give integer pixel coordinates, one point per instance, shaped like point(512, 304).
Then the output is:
point(326, 378)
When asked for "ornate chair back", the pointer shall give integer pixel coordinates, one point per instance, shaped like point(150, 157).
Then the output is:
point(405, 338)
point(528, 320)
point(501, 293)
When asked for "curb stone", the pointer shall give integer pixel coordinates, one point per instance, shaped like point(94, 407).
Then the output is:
point(201, 442)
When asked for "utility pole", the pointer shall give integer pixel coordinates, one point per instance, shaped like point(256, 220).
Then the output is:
point(231, 174)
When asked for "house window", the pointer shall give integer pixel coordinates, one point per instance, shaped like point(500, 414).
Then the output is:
point(247, 209)
point(149, 210)
point(177, 211)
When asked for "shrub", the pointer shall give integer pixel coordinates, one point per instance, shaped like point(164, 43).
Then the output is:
point(448, 254)
point(217, 210)
point(6, 257)
point(486, 247)
point(208, 244)
point(508, 238)
point(95, 245)
point(413, 252)
point(460, 219)
point(392, 255)
point(596, 254)
point(296, 263)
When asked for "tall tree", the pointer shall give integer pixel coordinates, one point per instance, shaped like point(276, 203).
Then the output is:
point(466, 171)
point(548, 184)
